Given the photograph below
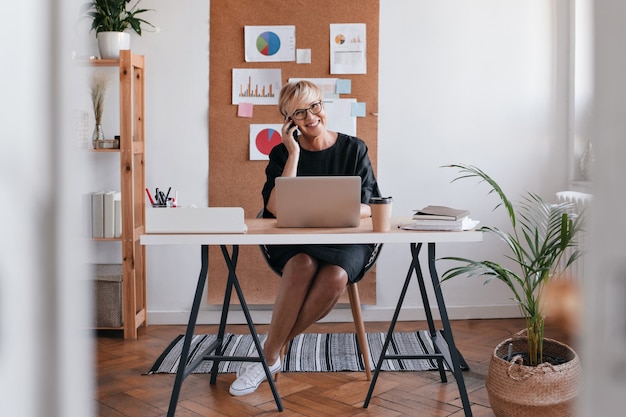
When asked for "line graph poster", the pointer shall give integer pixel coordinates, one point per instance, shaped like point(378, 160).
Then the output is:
point(270, 43)
point(256, 86)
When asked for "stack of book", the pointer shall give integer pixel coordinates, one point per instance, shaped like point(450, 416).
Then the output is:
point(441, 218)
point(106, 214)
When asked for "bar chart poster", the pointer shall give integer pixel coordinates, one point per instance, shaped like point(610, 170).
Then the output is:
point(270, 43)
point(256, 86)
point(263, 137)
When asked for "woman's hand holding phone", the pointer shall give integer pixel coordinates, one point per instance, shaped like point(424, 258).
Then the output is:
point(294, 132)
point(293, 148)
point(290, 135)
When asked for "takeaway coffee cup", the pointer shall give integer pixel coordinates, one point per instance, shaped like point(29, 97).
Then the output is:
point(381, 213)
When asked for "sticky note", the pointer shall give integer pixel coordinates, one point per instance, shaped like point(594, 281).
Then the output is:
point(344, 86)
point(357, 110)
point(303, 56)
point(245, 109)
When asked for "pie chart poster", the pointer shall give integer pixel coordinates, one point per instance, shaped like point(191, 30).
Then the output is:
point(270, 43)
point(263, 137)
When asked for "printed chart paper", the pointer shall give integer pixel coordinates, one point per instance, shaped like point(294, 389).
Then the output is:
point(348, 49)
point(263, 137)
point(339, 116)
point(327, 85)
point(256, 86)
point(270, 43)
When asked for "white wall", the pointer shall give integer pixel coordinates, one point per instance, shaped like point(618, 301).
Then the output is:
point(474, 82)
point(481, 82)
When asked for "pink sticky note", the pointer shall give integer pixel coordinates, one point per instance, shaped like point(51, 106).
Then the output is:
point(245, 110)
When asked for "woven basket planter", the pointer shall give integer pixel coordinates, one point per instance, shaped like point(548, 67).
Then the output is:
point(517, 390)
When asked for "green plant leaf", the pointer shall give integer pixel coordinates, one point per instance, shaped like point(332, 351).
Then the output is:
point(114, 16)
point(541, 234)
point(472, 171)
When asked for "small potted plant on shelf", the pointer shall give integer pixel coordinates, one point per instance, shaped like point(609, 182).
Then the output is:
point(110, 20)
point(529, 375)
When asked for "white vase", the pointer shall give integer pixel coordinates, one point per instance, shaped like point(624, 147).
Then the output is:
point(110, 44)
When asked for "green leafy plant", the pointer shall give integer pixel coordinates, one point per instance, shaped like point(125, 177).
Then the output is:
point(115, 16)
point(541, 234)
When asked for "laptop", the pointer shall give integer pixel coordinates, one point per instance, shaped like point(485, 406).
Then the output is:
point(324, 201)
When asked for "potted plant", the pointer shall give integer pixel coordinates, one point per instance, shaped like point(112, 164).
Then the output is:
point(542, 244)
point(110, 20)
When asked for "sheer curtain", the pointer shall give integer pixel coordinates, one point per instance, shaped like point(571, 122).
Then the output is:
point(45, 351)
point(604, 341)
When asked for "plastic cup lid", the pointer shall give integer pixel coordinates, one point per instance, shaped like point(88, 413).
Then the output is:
point(381, 200)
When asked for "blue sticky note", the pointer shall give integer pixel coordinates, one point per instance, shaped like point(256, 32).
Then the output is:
point(357, 110)
point(344, 86)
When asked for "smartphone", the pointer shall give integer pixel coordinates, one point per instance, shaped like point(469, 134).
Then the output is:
point(295, 132)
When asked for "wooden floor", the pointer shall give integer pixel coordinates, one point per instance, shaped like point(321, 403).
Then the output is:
point(124, 390)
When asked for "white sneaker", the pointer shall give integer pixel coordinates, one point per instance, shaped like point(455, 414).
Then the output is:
point(251, 378)
point(253, 354)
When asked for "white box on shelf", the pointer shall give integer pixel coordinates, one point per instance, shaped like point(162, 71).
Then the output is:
point(195, 220)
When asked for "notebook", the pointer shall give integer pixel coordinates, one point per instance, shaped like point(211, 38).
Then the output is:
point(318, 201)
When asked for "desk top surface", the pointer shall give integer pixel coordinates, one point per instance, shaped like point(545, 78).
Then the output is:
point(264, 231)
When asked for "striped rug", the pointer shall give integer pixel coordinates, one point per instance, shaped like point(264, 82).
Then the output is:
point(312, 352)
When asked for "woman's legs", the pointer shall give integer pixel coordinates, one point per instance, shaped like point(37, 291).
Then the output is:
point(307, 292)
point(303, 298)
point(298, 274)
point(329, 284)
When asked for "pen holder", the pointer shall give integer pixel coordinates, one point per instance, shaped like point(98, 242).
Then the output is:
point(162, 200)
point(169, 204)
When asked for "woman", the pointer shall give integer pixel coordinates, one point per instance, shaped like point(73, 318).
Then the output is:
point(313, 276)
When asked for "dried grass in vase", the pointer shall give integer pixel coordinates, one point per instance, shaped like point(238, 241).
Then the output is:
point(99, 85)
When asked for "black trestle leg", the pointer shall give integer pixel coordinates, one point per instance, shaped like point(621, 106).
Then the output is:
point(445, 348)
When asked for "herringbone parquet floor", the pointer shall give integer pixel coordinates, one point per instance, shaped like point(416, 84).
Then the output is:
point(123, 390)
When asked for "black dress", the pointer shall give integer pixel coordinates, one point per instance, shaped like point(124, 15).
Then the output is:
point(348, 156)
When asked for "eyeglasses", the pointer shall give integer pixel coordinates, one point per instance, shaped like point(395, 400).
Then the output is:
point(300, 114)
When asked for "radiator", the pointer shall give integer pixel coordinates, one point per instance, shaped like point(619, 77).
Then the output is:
point(579, 202)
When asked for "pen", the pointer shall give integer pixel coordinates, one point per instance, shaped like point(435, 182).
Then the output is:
point(150, 197)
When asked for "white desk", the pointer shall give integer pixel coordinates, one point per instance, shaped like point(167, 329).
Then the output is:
point(263, 231)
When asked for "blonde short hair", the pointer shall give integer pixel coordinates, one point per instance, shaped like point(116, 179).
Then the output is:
point(293, 93)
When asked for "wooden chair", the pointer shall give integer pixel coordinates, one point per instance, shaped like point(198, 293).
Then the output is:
point(355, 306)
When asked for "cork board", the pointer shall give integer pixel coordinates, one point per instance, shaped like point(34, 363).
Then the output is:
point(235, 180)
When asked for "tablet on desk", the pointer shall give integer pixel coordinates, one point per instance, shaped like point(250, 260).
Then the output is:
point(325, 201)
